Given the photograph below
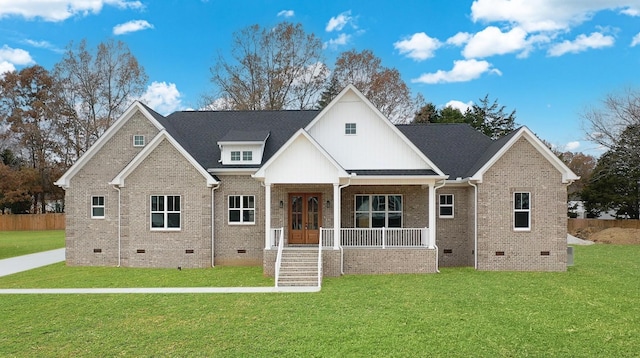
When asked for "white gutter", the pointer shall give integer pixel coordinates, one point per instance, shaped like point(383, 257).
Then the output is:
point(119, 227)
point(475, 224)
point(213, 220)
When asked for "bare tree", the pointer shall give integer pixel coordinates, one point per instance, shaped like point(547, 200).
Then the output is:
point(381, 85)
point(98, 86)
point(604, 125)
point(271, 68)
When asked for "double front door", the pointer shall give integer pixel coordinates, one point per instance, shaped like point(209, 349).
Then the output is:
point(305, 215)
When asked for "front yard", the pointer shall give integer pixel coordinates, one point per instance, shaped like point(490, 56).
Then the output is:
point(590, 311)
point(16, 243)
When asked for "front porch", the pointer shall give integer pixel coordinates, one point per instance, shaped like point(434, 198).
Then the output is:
point(360, 251)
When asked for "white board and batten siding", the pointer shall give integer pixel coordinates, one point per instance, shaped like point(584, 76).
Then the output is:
point(301, 162)
point(376, 144)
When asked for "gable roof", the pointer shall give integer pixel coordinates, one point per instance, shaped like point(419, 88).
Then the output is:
point(135, 107)
point(501, 146)
point(200, 131)
point(148, 149)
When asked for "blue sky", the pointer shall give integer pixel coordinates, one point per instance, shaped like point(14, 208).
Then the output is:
point(548, 59)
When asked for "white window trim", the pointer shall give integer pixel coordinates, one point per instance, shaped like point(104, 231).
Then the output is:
point(134, 140)
point(165, 212)
point(103, 206)
point(528, 211)
point(386, 210)
point(452, 206)
point(242, 209)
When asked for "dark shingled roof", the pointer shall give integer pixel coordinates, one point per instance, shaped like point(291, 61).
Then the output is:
point(455, 148)
point(199, 131)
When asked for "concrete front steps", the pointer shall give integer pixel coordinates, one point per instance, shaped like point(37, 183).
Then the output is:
point(299, 267)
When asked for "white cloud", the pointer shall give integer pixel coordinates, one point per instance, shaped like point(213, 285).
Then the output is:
point(459, 39)
point(15, 56)
point(571, 146)
point(339, 22)
point(5, 66)
point(162, 97)
point(418, 47)
point(286, 13)
point(131, 26)
point(60, 10)
point(581, 43)
point(341, 40)
point(463, 71)
point(635, 40)
point(492, 41)
point(459, 105)
point(546, 15)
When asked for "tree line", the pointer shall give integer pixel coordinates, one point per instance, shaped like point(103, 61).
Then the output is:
point(50, 117)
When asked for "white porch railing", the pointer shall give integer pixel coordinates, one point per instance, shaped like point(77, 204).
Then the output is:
point(378, 237)
point(279, 241)
point(276, 235)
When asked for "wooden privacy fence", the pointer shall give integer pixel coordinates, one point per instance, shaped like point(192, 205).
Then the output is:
point(32, 222)
point(575, 224)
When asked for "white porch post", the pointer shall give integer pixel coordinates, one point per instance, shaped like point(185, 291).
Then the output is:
point(267, 216)
point(432, 215)
point(336, 215)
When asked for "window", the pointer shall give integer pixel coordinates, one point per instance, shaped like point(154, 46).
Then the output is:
point(522, 211)
point(446, 206)
point(378, 211)
point(138, 141)
point(97, 207)
point(165, 212)
point(349, 128)
point(242, 209)
point(235, 156)
point(247, 156)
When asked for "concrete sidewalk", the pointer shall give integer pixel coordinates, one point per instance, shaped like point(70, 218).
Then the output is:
point(157, 290)
point(27, 262)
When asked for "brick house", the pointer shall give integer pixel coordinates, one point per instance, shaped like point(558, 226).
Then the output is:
point(206, 188)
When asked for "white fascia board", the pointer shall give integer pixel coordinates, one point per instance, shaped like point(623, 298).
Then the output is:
point(568, 176)
point(382, 117)
point(119, 180)
point(260, 174)
point(232, 171)
point(65, 179)
point(247, 142)
point(394, 180)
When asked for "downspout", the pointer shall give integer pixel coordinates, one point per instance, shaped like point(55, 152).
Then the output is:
point(341, 249)
point(213, 221)
point(119, 228)
point(475, 224)
point(434, 229)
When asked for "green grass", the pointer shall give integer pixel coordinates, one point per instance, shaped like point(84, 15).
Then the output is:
point(16, 243)
point(593, 310)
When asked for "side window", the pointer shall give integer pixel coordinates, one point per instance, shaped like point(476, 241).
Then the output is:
point(138, 141)
point(165, 212)
point(97, 207)
point(522, 211)
point(242, 209)
point(446, 206)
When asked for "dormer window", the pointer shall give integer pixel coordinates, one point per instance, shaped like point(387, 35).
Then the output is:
point(247, 156)
point(242, 148)
point(235, 156)
point(349, 128)
point(138, 141)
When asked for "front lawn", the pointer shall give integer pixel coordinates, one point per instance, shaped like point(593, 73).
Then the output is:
point(592, 310)
point(16, 243)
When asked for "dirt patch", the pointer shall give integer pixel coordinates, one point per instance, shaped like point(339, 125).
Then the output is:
point(616, 236)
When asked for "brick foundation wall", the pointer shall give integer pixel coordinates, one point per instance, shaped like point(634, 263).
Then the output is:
point(85, 235)
point(389, 261)
point(522, 169)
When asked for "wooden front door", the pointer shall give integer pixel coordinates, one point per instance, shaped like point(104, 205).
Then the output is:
point(305, 215)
